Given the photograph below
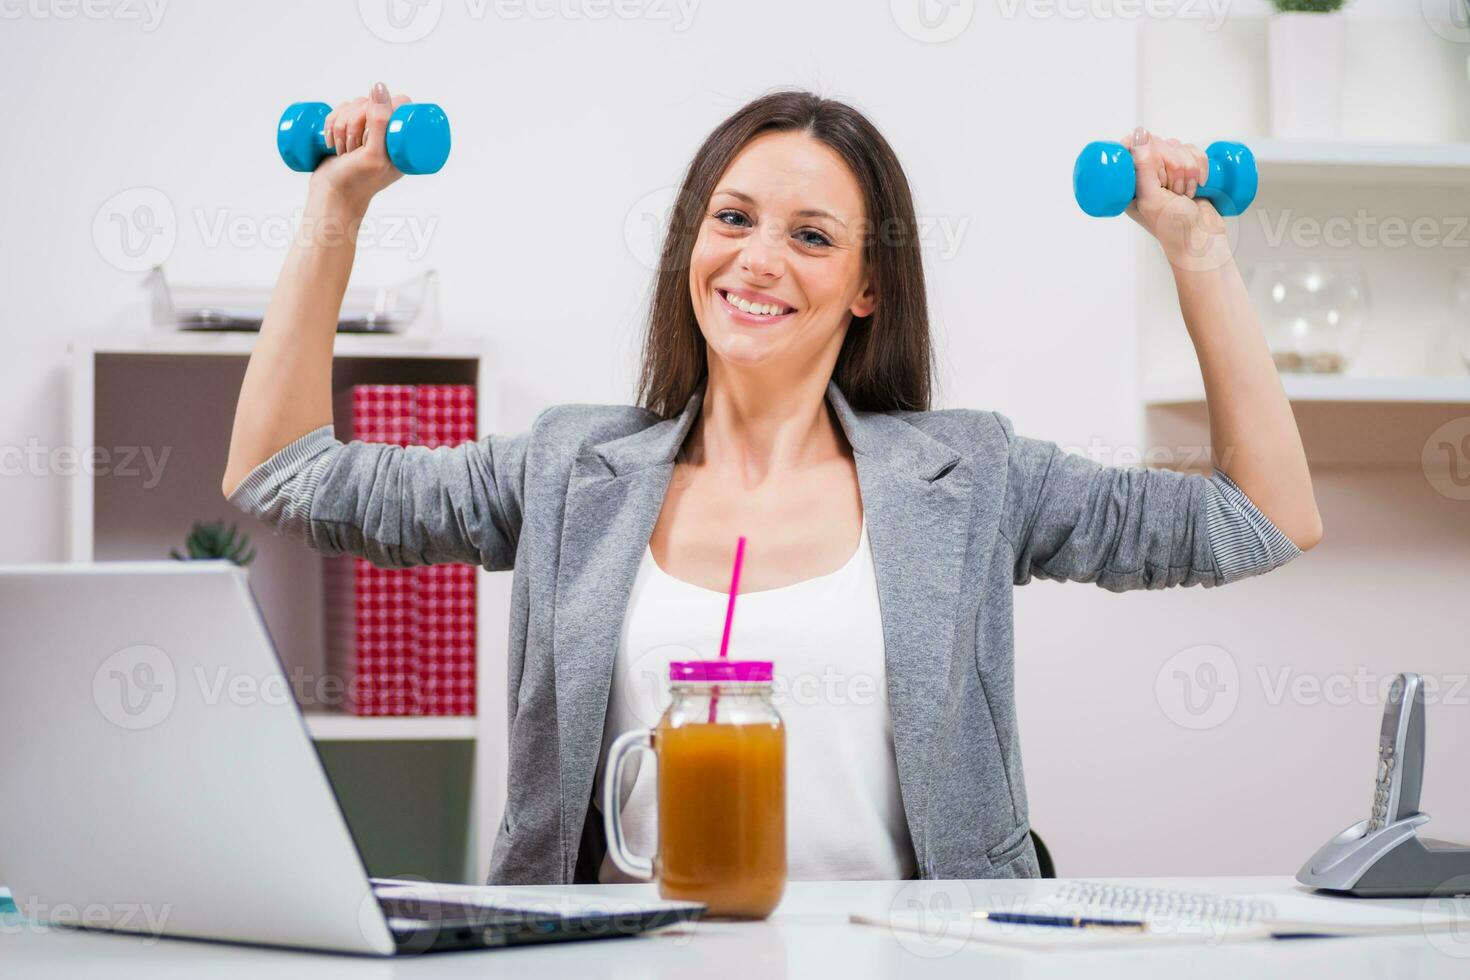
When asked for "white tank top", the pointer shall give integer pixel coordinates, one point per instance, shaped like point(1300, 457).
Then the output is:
point(844, 815)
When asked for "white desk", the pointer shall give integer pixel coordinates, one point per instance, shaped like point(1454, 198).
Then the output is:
point(808, 936)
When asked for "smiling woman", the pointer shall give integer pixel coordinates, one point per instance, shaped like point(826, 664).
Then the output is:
point(773, 194)
point(784, 396)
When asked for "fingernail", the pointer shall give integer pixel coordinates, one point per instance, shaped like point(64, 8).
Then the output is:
point(380, 92)
point(1140, 135)
point(1190, 187)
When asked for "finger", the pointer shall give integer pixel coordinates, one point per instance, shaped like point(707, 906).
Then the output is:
point(1196, 173)
point(1200, 159)
point(342, 123)
point(1180, 166)
point(1145, 153)
point(356, 123)
point(379, 110)
point(1202, 162)
point(329, 126)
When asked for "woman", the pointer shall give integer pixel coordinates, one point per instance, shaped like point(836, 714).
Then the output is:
point(784, 396)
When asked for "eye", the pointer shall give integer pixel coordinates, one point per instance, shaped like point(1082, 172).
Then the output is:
point(721, 215)
point(817, 239)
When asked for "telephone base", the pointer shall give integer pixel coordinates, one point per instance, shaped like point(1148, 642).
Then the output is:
point(1392, 862)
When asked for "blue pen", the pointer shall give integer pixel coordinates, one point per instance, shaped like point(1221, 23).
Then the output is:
point(1063, 921)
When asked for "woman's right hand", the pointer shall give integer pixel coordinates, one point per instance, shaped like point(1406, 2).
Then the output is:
point(360, 167)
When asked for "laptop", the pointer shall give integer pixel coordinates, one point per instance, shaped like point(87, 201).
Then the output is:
point(151, 783)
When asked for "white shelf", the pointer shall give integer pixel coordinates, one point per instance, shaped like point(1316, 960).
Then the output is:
point(350, 728)
point(126, 386)
point(1382, 162)
point(1318, 388)
point(241, 343)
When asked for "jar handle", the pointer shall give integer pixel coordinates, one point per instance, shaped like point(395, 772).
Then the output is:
point(612, 803)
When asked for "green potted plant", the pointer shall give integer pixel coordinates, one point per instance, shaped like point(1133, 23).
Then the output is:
point(216, 539)
point(1306, 47)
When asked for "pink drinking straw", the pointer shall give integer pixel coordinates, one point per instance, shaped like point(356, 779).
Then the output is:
point(729, 619)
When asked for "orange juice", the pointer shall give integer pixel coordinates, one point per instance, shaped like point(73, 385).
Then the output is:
point(722, 815)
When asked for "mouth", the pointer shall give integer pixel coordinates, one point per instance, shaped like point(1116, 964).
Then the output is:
point(742, 310)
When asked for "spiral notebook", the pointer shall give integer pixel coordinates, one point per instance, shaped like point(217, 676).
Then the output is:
point(1169, 917)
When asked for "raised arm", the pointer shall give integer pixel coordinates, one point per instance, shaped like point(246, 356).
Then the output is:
point(287, 391)
point(1069, 518)
point(396, 506)
point(1253, 434)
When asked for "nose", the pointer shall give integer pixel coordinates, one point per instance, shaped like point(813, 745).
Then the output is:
point(761, 255)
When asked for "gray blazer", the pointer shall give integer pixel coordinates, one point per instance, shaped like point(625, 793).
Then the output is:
point(959, 509)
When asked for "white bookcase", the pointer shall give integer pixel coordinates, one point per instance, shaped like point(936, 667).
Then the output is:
point(422, 794)
point(1407, 379)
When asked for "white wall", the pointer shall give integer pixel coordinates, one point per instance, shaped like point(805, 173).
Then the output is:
point(567, 127)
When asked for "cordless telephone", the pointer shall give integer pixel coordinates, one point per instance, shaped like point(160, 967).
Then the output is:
point(1384, 855)
point(1400, 754)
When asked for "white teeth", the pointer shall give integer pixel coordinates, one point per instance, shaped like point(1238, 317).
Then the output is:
point(759, 309)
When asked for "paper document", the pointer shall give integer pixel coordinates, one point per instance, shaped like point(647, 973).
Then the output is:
point(1175, 917)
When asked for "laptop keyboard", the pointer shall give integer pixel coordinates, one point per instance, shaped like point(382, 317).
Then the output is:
point(435, 912)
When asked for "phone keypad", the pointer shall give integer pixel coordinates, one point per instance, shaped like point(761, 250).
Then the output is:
point(1382, 785)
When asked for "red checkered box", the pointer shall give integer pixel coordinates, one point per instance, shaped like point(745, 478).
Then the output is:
point(444, 415)
point(446, 639)
point(403, 640)
point(371, 633)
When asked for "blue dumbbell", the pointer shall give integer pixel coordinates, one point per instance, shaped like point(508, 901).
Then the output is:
point(417, 138)
point(1104, 178)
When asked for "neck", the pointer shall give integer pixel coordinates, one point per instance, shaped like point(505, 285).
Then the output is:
point(755, 424)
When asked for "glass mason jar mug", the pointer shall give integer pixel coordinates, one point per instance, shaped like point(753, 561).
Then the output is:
point(721, 751)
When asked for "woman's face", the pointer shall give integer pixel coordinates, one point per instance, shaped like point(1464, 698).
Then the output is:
point(783, 230)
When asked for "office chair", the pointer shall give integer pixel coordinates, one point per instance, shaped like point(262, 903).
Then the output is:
point(1043, 857)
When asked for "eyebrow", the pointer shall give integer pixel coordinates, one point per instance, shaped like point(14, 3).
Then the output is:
point(804, 213)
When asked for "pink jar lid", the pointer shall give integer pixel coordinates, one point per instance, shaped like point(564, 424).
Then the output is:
point(720, 671)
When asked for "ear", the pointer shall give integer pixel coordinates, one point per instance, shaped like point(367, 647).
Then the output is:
point(866, 301)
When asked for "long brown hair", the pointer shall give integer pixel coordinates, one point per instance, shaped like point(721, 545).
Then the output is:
point(886, 360)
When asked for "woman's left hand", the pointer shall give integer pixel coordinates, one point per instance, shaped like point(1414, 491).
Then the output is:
point(1168, 174)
